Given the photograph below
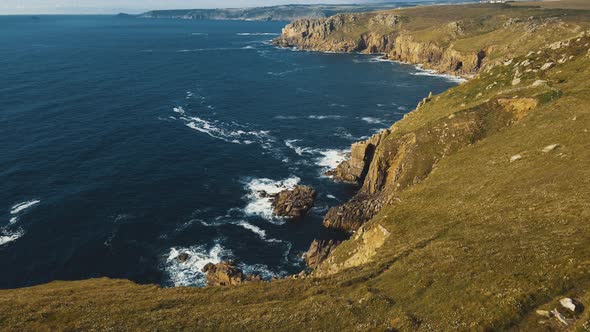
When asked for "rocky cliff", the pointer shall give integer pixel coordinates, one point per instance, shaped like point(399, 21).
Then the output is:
point(472, 212)
point(451, 44)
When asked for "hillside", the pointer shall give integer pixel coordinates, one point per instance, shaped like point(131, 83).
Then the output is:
point(273, 13)
point(472, 212)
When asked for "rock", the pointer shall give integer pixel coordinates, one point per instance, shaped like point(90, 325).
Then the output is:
point(294, 203)
point(516, 81)
point(183, 257)
point(572, 305)
point(568, 304)
point(550, 148)
point(208, 267)
point(319, 251)
point(515, 158)
point(544, 313)
point(548, 66)
point(226, 274)
point(264, 194)
point(561, 318)
point(539, 82)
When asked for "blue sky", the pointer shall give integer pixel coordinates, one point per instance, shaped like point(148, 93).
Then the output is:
point(132, 6)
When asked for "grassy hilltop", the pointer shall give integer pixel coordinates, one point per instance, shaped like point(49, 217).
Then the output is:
point(491, 221)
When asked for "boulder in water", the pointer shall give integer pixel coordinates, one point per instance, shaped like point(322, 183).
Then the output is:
point(294, 203)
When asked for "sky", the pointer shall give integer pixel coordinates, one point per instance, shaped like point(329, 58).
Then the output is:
point(134, 6)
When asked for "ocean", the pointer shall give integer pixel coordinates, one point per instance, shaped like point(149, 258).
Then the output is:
point(124, 142)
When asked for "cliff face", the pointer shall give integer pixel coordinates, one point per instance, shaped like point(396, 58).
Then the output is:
point(381, 33)
point(455, 43)
point(394, 159)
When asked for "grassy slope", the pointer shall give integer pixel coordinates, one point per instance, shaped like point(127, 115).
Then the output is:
point(480, 243)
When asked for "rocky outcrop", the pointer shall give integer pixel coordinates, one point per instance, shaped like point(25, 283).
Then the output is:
point(385, 34)
point(183, 257)
point(294, 203)
point(398, 160)
point(356, 167)
point(367, 241)
point(319, 251)
point(226, 274)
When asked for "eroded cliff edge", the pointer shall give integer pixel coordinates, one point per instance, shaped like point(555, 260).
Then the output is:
point(449, 39)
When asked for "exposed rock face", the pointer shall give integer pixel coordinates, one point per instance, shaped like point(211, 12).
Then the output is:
point(368, 240)
point(355, 169)
point(183, 257)
point(294, 203)
point(319, 251)
point(385, 35)
point(226, 274)
point(397, 160)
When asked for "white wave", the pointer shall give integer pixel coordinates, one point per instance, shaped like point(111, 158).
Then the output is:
point(10, 236)
point(262, 206)
point(231, 133)
point(332, 158)
point(257, 34)
point(200, 34)
point(285, 117)
point(17, 208)
point(338, 105)
point(331, 196)
point(256, 230)
point(299, 150)
point(324, 117)
point(402, 108)
point(190, 272)
point(371, 120)
point(346, 135)
point(248, 47)
point(430, 72)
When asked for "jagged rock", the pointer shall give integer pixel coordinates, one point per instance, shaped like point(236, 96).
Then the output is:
point(294, 203)
point(183, 257)
point(399, 160)
point(550, 148)
point(515, 158)
point(572, 305)
point(319, 251)
point(355, 168)
point(316, 34)
point(560, 317)
point(353, 214)
point(226, 274)
point(544, 313)
point(548, 66)
point(539, 82)
point(264, 194)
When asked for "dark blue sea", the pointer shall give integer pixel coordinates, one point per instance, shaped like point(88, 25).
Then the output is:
point(126, 141)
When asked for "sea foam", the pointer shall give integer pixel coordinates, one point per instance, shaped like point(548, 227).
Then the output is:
point(189, 273)
point(7, 236)
point(17, 208)
point(260, 204)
